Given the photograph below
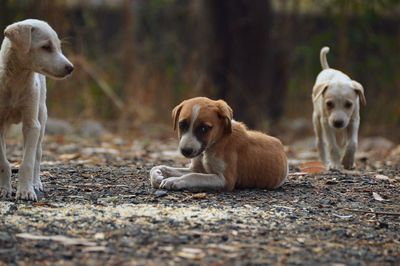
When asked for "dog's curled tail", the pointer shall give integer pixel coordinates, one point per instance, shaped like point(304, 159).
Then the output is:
point(322, 57)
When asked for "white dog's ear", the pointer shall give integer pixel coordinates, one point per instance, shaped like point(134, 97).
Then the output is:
point(225, 112)
point(20, 36)
point(318, 90)
point(360, 91)
point(175, 114)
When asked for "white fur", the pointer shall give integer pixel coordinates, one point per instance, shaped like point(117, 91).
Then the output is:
point(336, 127)
point(189, 140)
point(185, 178)
point(30, 47)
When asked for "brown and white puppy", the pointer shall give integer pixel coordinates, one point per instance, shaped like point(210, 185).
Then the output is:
point(336, 115)
point(224, 153)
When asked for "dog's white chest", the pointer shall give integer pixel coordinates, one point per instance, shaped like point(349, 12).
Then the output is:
point(212, 164)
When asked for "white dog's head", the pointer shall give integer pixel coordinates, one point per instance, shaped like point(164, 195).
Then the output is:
point(38, 48)
point(339, 101)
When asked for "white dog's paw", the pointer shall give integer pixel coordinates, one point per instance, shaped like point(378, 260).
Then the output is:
point(26, 193)
point(37, 185)
point(5, 192)
point(173, 183)
point(335, 166)
point(156, 176)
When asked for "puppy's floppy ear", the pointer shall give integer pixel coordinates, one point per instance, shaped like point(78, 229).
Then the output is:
point(225, 112)
point(360, 91)
point(318, 90)
point(20, 35)
point(175, 114)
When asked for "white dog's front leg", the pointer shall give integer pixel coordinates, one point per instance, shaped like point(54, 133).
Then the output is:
point(31, 132)
point(161, 172)
point(319, 137)
point(351, 146)
point(194, 181)
point(5, 170)
point(333, 148)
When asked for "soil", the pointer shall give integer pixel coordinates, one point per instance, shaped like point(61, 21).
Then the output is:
point(99, 209)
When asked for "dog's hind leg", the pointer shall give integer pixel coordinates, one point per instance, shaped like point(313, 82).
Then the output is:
point(37, 183)
point(5, 169)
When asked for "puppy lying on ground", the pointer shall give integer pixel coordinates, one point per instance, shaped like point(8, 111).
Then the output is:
point(336, 115)
point(30, 50)
point(224, 153)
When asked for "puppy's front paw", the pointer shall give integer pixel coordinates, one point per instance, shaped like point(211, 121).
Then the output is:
point(26, 193)
point(334, 167)
point(156, 176)
point(173, 183)
point(348, 163)
point(5, 192)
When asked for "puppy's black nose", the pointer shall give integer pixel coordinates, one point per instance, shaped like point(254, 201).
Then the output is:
point(186, 151)
point(69, 69)
point(338, 123)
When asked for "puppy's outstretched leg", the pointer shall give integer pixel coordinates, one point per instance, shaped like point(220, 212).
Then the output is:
point(333, 148)
point(5, 169)
point(351, 145)
point(194, 181)
point(320, 140)
point(161, 172)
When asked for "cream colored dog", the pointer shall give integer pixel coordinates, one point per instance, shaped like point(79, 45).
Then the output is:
point(30, 50)
point(224, 153)
point(336, 115)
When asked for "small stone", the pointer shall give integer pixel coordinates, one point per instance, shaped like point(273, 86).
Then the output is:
point(160, 193)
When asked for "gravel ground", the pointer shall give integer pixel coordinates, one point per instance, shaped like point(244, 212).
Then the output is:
point(99, 209)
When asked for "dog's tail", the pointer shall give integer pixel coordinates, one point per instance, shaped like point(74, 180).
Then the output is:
point(322, 57)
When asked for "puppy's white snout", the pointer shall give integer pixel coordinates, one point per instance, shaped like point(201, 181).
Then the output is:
point(338, 123)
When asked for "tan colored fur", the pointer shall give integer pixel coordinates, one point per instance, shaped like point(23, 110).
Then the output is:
point(238, 157)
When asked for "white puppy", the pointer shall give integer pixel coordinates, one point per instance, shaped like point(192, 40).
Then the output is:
point(30, 50)
point(336, 115)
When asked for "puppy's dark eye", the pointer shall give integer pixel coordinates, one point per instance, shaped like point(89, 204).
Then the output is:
point(330, 104)
point(183, 125)
point(348, 105)
point(47, 48)
point(204, 129)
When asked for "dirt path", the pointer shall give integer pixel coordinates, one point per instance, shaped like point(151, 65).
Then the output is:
point(99, 199)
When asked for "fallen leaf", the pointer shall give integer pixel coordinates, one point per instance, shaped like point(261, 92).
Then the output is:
point(94, 249)
point(68, 241)
point(191, 253)
point(381, 177)
point(44, 204)
point(314, 167)
point(69, 156)
point(199, 196)
point(377, 196)
point(343, 216)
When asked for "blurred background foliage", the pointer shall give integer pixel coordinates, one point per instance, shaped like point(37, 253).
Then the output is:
point(136, 59)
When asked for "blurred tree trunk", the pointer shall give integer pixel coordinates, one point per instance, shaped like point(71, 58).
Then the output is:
point(243, 67)
point(342, 33)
